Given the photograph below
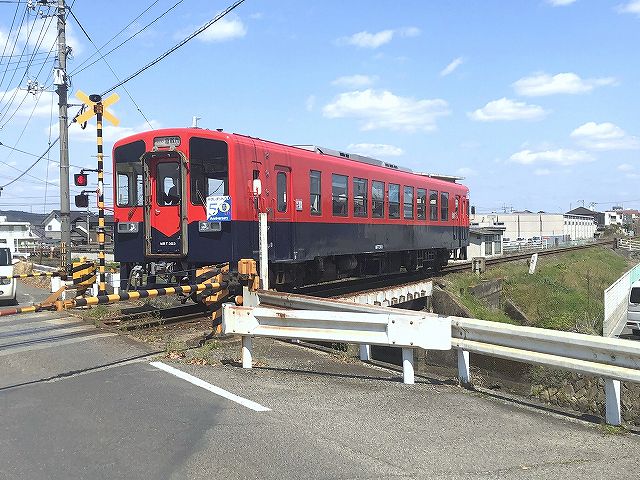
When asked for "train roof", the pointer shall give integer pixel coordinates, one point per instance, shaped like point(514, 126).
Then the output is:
point(311, 148)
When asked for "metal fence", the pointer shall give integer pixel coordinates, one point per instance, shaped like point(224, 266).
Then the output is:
point(632, 245)
point(530, 245)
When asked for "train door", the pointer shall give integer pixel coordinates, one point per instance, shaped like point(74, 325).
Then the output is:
point(458, 215)
point(281, 229)
point(165, 205)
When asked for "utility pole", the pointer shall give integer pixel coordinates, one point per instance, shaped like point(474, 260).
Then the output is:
point(60, 80)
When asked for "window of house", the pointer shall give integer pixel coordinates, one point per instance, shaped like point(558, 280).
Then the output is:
point(421, 204)
point(408, 202)
point(281, 191)
point(360, 197)
point(339, 194)
point(377, 199)
point(444, 206)
point(488, 247)
point(394, 200)
point(433, 205)
point(315, 185)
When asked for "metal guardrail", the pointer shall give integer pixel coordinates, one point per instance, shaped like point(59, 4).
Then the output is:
point(629, 244)
point(614, 360)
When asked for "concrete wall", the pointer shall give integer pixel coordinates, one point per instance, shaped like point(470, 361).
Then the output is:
point(524, 225)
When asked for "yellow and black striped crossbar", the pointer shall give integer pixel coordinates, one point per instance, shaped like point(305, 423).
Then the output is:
point(137, 294)
point(29, 309)
point(36, 274)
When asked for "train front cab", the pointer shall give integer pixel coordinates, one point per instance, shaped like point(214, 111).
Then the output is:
point(160, 206)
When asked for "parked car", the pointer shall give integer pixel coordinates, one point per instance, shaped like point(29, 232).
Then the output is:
point(633, 309)
point(7, 285)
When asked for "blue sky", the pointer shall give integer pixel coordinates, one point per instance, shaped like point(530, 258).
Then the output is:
point(534, 102)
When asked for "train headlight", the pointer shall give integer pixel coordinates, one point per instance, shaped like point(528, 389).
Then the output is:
point(206, 227)
point(128, 227)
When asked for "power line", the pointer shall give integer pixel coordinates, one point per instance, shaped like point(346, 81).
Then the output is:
point(130, 77)
point(114, 37)
point(79, 69)
point(110, 68)
point(176, 47)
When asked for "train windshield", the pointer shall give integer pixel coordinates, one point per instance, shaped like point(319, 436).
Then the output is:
point(129, 182)
point(5, 257)
point(209, 169)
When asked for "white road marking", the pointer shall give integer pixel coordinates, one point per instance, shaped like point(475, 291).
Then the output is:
point(212, 388)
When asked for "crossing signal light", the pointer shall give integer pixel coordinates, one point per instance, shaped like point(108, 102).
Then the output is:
point(80, 179)
point(82, 200)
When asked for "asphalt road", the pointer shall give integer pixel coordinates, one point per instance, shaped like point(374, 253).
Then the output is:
point(77, 402)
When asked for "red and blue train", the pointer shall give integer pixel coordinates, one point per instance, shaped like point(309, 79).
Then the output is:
point(331, 214)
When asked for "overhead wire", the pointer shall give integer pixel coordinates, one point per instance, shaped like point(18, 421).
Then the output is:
point(138, 72)
point(15, 42)
point(77, 69)
point(112, 70)
point(43, 29)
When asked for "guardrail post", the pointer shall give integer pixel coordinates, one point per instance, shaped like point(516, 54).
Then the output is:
point(263, 247)
point(407, 366)
point(247, 360)
point(365, 352)
point(464, 374)
point(613, 414)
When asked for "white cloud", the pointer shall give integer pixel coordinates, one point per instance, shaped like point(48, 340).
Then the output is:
point(110, 133)
point(560, 3)
point(256, 16)
point(30, 34)
point(375, 150)
point(541, 172)
point(630, 7)
point(375, 40)
point(604, 136)
point(506, 109)
point(310, 103)
point(625, 167)
point(466, 172)
point(383, 109)
point(28, 104)
point(227, 28)
point(452, 66)
point(354, 81)
point(561, 156)
point(542, 84)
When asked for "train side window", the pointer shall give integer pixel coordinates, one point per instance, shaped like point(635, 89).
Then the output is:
point(339, 194)
point(394, 200)
point(408, 202)
point(456, 207)
point(281, 187)
point(315, 189)
point(123, 189)
point(377, 199)
point(433, 205)
point(360, 200)
point(444, 206)
point(421, 200)
point(168, 184)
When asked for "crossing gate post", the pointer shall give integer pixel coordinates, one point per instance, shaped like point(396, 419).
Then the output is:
point(263, 247)
point(83, 274)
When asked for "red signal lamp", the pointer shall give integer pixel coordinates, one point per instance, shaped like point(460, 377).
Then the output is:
point(80, 179)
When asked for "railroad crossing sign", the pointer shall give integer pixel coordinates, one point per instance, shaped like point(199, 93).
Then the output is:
point(94, 101)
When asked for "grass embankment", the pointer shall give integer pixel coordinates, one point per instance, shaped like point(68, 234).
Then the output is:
point(565, 293)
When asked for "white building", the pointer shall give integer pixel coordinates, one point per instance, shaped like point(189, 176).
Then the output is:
point(553, 227)
point(579, 227)
point(614, 217)
point(485, 242)
point(14, 234)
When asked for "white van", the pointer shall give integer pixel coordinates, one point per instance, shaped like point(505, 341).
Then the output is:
point(7, 285)
point(633, 310)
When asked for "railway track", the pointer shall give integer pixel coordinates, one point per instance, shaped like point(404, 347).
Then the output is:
point(137, 318)
point(353, 285)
